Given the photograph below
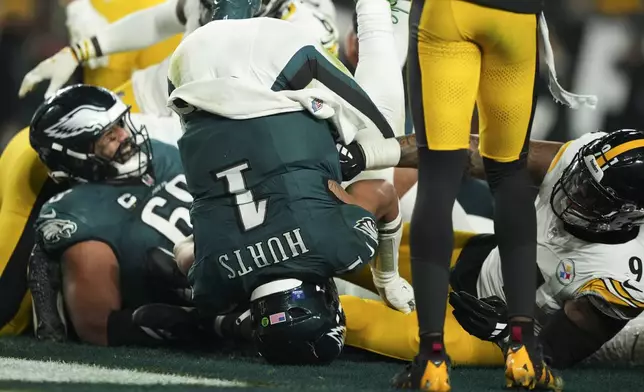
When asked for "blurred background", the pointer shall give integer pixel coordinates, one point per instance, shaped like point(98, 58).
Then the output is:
point(598, 44)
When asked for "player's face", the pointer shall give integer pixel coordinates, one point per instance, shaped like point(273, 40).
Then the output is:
point(112, 145)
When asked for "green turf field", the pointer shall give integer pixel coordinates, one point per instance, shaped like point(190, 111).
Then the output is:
point(29, 365)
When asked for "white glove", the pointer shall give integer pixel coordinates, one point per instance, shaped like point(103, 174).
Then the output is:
point(84, 21)
point(58, 68)
point(397, 294)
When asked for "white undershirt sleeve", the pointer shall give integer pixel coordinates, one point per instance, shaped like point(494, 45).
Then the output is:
point(141, 29)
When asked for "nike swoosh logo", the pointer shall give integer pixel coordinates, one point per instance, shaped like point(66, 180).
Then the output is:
point(50, 215)
point(630, 286)
point(373, 251)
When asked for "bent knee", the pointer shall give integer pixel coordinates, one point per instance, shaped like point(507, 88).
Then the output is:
point(376, 196)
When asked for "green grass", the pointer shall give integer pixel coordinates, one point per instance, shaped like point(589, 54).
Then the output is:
point(355, 371)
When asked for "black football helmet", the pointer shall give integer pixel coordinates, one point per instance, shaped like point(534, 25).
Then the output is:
point(66, 127)
point(295, 322)
point(602, 189)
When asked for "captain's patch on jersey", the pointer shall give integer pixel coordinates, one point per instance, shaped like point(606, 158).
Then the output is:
point(52, 230)
point(368, 227)
point(566, 272)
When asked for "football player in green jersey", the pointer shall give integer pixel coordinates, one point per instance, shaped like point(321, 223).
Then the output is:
point(111, 234)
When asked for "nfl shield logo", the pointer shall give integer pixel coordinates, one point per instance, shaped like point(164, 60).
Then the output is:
point(316, 105)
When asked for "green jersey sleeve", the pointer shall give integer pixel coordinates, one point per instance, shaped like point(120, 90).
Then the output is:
point(58, 227)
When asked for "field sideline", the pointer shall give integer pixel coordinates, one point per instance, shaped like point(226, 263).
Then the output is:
point(29, 365)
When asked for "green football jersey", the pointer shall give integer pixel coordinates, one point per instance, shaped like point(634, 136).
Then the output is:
point(130, 218)
point(263, 210)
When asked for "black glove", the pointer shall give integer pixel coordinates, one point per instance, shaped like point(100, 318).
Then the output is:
point(44, 279)
point(352, 160)
point(485, 318)
point(164, 281)
point(174, 324)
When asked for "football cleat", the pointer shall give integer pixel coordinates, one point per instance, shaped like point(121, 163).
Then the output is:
point(526, 371)
point(425, 374)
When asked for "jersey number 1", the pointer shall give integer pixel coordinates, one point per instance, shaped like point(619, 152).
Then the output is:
point(251, 213)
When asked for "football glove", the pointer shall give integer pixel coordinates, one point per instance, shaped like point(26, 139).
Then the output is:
point(173, 324)
point(84, 21)
point(352, 160)
point(45, 283)
point(397, 294)
point(58, 68)
point(485, 318)
point(164, 281)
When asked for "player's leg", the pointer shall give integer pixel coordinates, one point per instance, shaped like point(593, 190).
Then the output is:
point(25, 188)
point(380, 199)
point(370, 324)
point(378, 70)
point(506, 105)
point(363, 278)
point(443, 80)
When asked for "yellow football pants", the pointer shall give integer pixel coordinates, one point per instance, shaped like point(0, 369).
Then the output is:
point(466, 54)
point(373, 326)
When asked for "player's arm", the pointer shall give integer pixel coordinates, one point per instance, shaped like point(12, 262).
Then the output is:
point(135, 31)
point(539, 158)
point(91, 289)
point(93, 299)
point(581, 328)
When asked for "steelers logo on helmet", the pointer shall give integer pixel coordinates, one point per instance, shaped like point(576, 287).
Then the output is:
point(601, 189)
point(297, 322)
point(86, 133)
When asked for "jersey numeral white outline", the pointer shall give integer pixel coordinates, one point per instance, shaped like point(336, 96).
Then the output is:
point(251, 213)
point(168, 227)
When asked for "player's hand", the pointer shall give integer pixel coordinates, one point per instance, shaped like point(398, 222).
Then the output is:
point(485, 318)
point(352, 160)
point(84, 21)
point(397, 294)
point(173, 324)
point(58, 68)
point(164, 280)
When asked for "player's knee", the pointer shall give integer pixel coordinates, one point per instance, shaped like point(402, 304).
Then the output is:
point(388, 200)
point(376, 196)
point(498, 173)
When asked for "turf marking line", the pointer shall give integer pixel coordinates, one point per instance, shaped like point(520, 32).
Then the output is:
point(16, 369)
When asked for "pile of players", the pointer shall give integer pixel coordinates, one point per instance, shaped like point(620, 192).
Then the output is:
point(283, 180)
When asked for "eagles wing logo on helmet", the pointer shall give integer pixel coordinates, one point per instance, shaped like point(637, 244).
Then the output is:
point(338, 335)
point(85, 118)
point(53, 230)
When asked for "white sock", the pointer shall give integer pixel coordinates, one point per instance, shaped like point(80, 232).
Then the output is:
point(385, 267)
point(400, 20)
point(378, 71)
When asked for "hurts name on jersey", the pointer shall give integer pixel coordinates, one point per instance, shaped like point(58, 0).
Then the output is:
point(276, 249)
